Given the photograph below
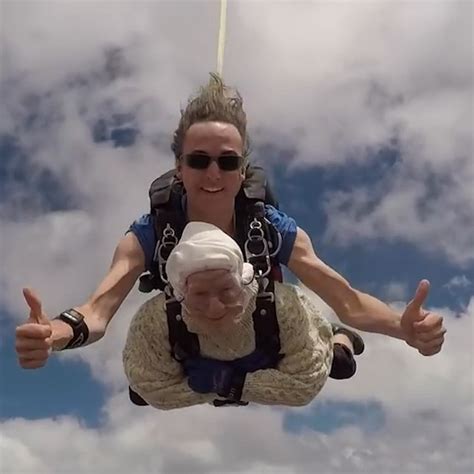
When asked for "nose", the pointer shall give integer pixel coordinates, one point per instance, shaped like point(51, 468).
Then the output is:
point(216, 308)
point(213, 171)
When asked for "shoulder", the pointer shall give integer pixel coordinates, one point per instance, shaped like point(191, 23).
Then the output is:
point(150, 316)
point(142, 222)
point(144, 231)
point(151, 307)
point(278, 218)
point(292, 304)
point(147, 349)
point(143, 227)
point(287, 228)
point(288, 296)
point(289, 305)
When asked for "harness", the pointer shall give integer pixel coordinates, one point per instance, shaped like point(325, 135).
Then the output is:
point(259, 241)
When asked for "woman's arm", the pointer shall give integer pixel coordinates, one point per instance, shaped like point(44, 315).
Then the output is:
point(306, 342)
point(150, 369)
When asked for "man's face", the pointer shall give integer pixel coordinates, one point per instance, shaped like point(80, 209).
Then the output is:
point(213, 297)
point(211, 188)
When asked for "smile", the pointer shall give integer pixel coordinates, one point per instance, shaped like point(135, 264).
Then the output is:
point(212, 190)
point(214, 320)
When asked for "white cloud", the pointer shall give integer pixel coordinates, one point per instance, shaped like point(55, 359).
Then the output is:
point(358, 78)
point(427, 402)
point(395, 290)
point(329, 80)
point(429, 426)
point(406, 376)
point(458, 281)
point(353, 77)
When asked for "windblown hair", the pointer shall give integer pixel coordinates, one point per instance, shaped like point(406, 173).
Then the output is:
point(214, 102)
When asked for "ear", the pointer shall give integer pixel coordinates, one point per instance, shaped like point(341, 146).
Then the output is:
point(178, 169)
point(243, 170)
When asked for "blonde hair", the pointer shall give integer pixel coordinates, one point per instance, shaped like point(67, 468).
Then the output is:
point(214, 102)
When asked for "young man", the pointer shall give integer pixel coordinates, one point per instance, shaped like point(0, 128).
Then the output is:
point(211, 148)
point(218, 300)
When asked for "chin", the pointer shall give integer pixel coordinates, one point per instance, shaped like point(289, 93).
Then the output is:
point(221, 325)
point(218, 198)
point(208, 201)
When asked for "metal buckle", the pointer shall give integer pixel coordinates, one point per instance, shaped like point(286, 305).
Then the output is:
point(163, 249)
point(278, 238)
point(262, 286)
point(260, 258)
point(169, 295)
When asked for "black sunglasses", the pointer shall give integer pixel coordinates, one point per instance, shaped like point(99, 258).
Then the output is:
point(201, 161)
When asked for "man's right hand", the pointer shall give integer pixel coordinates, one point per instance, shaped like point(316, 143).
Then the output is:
point(34, 338)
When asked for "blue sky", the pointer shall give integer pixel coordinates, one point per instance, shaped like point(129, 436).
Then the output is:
point(369, 148)
point(370, 265)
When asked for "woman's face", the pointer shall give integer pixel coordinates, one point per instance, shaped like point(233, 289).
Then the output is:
point(214, 297)
point(211, 189)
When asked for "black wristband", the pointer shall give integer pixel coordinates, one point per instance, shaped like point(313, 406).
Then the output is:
point(81, 334)
point(79, 328)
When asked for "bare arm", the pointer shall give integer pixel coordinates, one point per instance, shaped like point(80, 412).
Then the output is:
point(128, 264)
point(353, 307)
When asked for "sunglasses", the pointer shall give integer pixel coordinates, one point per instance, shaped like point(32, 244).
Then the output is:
point(202, 161)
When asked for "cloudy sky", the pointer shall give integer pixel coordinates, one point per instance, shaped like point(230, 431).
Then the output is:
point(362, 112)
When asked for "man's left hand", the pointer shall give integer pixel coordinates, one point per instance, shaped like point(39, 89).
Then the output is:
point(423, 329)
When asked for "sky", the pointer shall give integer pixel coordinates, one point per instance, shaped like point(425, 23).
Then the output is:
point(362, 114)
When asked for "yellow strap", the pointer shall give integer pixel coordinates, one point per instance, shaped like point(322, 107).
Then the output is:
point(221, 40)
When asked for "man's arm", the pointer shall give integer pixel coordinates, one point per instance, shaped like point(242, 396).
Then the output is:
point(149, 367)
point(354, 308)
point(128, 264)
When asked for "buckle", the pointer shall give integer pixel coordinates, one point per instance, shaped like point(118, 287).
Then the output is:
point(163, 249)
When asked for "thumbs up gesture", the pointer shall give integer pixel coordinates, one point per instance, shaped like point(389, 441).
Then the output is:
point(34, 338)
point(423, 330)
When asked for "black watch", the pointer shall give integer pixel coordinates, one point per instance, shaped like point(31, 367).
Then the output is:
point(79, 327)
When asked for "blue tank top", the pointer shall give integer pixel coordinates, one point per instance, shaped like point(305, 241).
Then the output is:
point(143, 230)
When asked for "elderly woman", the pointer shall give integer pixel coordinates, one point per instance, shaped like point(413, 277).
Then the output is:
point(218, 294)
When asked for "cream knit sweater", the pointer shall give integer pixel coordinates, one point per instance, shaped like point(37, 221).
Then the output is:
point(306, 341)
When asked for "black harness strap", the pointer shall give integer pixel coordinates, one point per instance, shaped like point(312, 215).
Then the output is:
point(258, 244)
point(265, 323)
point(166, 208)
point(163, 220)
point(184, 344)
